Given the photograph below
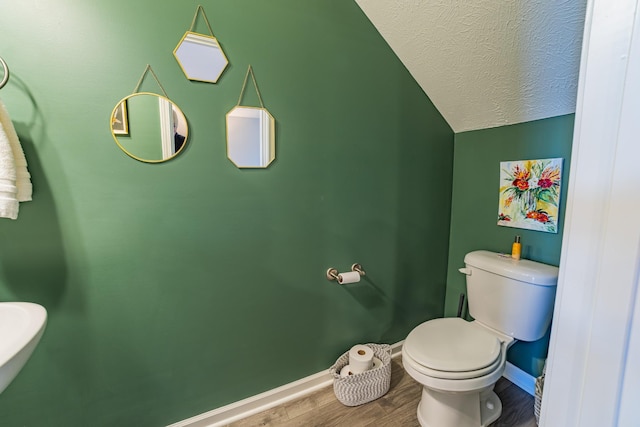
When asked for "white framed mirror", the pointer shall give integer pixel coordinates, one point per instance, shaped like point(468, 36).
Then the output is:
point(149, 127)
point(200, 57)
point(251, 140)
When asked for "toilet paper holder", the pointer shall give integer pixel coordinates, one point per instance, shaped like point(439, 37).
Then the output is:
point(332, 273)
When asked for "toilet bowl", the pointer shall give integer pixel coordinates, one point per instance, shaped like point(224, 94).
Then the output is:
point(458, 363)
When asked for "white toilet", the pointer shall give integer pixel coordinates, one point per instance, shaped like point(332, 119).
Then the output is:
point(459, 362)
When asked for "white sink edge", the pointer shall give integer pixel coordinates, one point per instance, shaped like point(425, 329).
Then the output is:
point(19, 349)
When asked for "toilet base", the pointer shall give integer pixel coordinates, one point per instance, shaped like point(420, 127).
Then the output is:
point(472, 409)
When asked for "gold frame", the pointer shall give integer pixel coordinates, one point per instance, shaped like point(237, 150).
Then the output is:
point(115, 135)
point(210, 40)
point(272, 137)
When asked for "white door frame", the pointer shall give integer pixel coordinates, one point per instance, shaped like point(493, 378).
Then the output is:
point(167, 127)
point(593, 378)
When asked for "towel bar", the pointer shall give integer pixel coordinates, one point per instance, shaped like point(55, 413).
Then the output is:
point(6, 73)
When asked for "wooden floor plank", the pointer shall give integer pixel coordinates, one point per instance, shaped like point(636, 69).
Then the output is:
point(272, 417)
point(336, 414)
point(308, 403)
point(517, 408)
point(397, 408)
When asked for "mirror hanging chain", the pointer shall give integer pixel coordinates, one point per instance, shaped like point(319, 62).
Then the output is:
point(244, 86)
point(204, 15)
point(148, 68)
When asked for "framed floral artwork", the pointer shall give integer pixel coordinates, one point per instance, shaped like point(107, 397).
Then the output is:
point(530, 194)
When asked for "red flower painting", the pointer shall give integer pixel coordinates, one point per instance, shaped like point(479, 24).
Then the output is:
point(530, 194)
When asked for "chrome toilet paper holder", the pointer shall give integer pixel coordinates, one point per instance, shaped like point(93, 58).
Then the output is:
point(332, 273)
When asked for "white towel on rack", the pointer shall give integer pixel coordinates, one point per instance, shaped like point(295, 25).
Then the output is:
point(8, 189)
point(15, 180)
point(23, 177)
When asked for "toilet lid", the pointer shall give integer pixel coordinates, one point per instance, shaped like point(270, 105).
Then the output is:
point(453, 345)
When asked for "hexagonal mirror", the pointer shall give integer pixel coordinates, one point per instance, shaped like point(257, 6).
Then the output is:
point(251, 139)
point(149, 127)
point(200, 57)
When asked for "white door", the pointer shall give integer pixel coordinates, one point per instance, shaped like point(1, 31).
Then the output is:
point(593, 377)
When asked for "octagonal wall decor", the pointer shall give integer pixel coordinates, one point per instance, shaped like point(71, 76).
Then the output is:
point(201, 57)
point(251, 132)
point(251, 140)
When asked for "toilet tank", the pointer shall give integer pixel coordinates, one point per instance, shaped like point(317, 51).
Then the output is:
point(514, 297)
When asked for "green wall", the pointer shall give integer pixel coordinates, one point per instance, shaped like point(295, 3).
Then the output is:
point(176, 288)
point(474, 208)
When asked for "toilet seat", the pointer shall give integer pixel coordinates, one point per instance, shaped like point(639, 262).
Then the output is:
point(434, 373)
point(452, 348)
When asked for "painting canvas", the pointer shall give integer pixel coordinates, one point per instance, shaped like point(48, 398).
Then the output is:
point(530, 194)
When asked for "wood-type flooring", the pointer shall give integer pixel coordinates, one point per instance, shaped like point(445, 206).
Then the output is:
point(396, 408)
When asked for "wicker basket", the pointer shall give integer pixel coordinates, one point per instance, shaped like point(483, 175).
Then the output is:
point(538, 394)
point(359, 389)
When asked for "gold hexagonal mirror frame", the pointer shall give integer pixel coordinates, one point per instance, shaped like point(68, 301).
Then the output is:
point(200, 56)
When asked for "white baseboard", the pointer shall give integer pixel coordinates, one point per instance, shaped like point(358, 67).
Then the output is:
point(520, 378)
point(267, 400)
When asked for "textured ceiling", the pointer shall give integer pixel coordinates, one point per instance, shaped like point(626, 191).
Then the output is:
point(487, 63)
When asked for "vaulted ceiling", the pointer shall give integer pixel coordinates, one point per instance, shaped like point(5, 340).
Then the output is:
point(487, 63)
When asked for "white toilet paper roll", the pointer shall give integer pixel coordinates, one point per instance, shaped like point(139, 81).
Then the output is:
point(346, 371)
point(360, 358)
point(376, 363)
point(349, 277)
